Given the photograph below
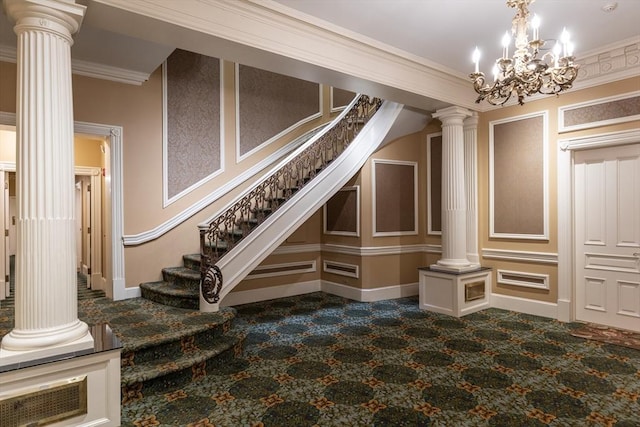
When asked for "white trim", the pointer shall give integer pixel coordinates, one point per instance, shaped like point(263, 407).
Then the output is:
point(166, 200)
point(566, 246)
point(545, 177)
point(522, 256)
point(272, 292)
point(563, 109)
point(168, 225)
point(370, 295)
point(114, 135)
point(89, 69)
point(343, 233)
point(381, 250)
point(524, 305)
point(265, 144)
point(413, 232)
point(601, 140)
point(522, 281)
point(304, 264)
point(327, 268)
point(430, 230)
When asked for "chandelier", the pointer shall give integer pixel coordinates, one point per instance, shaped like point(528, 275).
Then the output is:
point(525, 74)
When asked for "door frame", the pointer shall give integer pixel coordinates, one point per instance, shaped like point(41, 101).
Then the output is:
point(114, 270)
point(566, 218)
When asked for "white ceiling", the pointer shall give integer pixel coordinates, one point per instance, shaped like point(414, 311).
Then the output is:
point(443, 32)
point(447, 31)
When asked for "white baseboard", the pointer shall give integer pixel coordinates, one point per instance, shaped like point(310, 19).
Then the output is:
point(273, 292)
point(134, 292)
point(564, 311)
point(370, 295)
point(522, 305)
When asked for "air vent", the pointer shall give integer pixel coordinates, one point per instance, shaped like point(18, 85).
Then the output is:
point(58, 402)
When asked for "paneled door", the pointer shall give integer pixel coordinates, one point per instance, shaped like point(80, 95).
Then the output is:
point(607, 230)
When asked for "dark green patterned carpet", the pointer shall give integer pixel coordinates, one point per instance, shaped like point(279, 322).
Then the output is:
point(323, 360)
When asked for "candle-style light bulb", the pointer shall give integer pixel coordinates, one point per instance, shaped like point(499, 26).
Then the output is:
point(564, 39)
point(505, 45)
point(570, 48)
point(495, 72)
point(476, 58)
point(535, 24)
point(557, 50)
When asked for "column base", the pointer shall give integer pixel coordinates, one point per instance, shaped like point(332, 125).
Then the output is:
point(12, 353)
point(455, 268)
point(456, 294)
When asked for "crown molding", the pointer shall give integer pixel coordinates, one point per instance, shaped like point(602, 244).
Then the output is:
point(89, 69)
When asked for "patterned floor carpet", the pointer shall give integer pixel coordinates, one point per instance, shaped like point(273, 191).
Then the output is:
point(321, 360)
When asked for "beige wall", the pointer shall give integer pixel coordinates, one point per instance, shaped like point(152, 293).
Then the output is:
point(551, 105)
point(138, 109)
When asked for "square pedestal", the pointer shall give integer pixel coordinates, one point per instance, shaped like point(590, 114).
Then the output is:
point(455, 294)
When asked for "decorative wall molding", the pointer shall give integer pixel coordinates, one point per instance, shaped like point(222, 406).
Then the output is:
point(166, 199)
point(381, 250)
point(282, 269)
point(617, 61)
point(374, 197)
point(154, 233)
point(341, 268)
point(355, 210)
point(297, 249)
point(622, 117)
point(241, 156)
point(515, 171)
point(520, 256)
point(523, 279)
point(89, 69)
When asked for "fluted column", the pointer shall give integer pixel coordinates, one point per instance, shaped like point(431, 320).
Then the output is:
point(471, 185)
point(454, 203)
point(46, 313)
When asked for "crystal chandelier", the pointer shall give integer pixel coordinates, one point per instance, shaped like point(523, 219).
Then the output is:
point(525, 74)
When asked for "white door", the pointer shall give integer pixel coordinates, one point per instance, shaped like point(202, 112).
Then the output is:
point(607, 230)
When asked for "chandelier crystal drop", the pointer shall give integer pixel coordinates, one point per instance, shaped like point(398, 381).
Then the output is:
point(525, 74)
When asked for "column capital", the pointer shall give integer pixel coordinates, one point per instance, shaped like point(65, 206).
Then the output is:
point(452, 115)
point(471, 122)
point(60, 16)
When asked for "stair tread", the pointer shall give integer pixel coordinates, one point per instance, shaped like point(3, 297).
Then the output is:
point(166, 365)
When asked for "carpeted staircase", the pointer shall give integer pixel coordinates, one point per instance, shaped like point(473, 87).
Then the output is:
point(179, 286)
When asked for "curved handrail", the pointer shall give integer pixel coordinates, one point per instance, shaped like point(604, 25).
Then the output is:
point(254, 205)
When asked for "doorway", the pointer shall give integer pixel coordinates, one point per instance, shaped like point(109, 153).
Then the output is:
point(89, 150)
point(607, 236)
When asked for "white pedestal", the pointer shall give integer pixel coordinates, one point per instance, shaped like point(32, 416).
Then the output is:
point(36, 389)
point(455, 294)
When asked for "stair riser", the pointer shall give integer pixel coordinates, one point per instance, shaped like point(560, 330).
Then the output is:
point(178, 379)
point(190, 263)
point(188, 283)
point(192, 302)
point(202, 340)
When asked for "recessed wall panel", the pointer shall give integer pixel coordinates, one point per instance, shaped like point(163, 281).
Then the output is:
point(192, 119)
point(395, 201)
point(269, 104)
point(518, 175)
